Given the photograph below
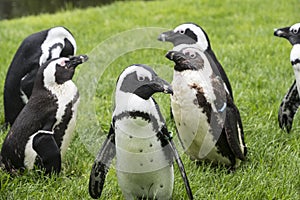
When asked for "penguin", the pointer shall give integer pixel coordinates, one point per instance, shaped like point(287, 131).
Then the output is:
point(207, 121)
point(291, 100)
point(139, 139)
point(43, 129)
point(192, 35)
point(35, 50)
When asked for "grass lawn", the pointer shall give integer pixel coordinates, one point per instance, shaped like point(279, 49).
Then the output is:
point(256, 62)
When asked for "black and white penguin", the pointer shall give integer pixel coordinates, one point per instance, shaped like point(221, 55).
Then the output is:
point(43, 129)
point(208, 122)
point(291, 100)
point(139, 139)
point(192, 35)
point(35, 50)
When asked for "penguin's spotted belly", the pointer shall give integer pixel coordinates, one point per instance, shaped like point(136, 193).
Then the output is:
point(140, 140)
point(142, 166)
point(192, 120)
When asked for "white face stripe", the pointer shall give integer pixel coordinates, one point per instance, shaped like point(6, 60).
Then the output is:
point(55, 35)
point(49, 72)
point(201, 38)
point(295, 27)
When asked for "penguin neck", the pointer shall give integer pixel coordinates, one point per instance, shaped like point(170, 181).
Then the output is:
point(295, 60)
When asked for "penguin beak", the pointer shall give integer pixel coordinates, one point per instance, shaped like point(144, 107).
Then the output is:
point(287, 34)
point(176, 56)
point(168, 36)
point(160, 85)
point(175, 38)
point(182, 61)
point(74, 61)
point(282, 32)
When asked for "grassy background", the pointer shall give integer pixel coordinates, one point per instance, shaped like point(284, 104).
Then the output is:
point(256, 62)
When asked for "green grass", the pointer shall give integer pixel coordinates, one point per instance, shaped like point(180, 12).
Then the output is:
point(257, 63)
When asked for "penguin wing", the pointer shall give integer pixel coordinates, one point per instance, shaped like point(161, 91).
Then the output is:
point(46, 147)
point(181, 169)
point(218, 69)
point(288, 108)
point(27, 82)
point(101, 165)
point(172, 148)
point(234, 130)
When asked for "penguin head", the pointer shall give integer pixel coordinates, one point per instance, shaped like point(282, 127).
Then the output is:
point(142, 81)
point(60, 70)
point(292, 34)
point(186, 59)
point(187, 34)
point(59, 42)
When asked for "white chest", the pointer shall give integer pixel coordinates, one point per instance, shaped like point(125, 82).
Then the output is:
point(142, 167)
point(191, 120)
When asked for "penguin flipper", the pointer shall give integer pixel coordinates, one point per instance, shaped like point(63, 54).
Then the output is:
point(181, 169)
point(101, 165)
point(167, 137)
point(49, 153)
point(26, 84)
point(288, 108)
point(233, 128)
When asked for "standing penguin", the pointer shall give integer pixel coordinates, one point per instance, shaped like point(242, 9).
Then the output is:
point(207, 121)
point(42, 131)
point(139, 139)
point(35, 50)
point(291, 100)
point(192, 35)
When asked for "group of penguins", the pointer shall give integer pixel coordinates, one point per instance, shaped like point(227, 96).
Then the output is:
point(41, 100)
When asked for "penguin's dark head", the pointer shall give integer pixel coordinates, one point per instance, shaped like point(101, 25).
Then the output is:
point(60, 70)
point(187, 34)
point(59, 42)
point(186, 59)
point(142, 81)
point(292, 34)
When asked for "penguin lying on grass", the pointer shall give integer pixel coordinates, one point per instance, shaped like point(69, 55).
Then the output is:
point(35, 50)
point(291, 100)
point(139, 139)
point(43, 129)
point(192, 35)
point(207, 120)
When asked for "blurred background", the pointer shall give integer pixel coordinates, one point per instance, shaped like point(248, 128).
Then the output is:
point(17, 8)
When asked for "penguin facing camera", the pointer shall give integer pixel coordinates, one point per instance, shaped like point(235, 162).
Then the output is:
point(291, 100)
point(34, 51)
point(208, 122)
point(139, 139)
point(42, 131)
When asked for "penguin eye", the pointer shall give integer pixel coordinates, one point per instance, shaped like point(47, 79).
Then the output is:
point(192, 55)
point(295, 31)
point(181, 32)
point(141, 78)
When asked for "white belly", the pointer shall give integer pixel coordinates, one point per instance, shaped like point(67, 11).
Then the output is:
point(142, 167)
point(191, 122)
